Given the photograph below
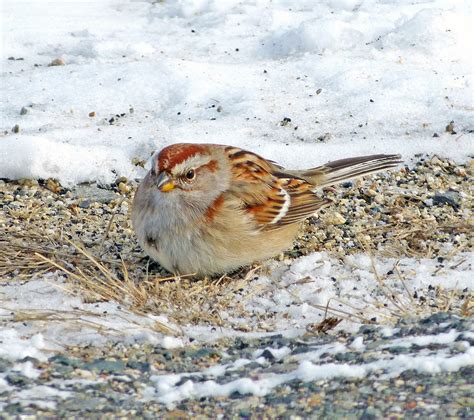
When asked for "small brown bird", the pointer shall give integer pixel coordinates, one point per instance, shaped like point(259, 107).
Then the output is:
point(209, 208)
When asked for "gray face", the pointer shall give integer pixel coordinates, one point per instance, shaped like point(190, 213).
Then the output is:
point(194, 183)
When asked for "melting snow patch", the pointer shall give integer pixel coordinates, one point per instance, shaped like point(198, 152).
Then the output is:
point(294, 296)
point(170, 389)
point(15, 347)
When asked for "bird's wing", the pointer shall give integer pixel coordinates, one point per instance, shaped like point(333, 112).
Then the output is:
point(273, 198)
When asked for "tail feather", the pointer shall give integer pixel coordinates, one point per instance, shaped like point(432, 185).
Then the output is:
point(341, 170)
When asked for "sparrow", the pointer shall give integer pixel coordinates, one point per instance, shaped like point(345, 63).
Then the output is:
point(208, 209)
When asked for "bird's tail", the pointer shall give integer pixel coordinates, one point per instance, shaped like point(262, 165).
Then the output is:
point(341, 170)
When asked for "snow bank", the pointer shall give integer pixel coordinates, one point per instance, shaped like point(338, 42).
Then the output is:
point(364, 76)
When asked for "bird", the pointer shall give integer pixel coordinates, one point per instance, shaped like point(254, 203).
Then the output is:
point(209, 209)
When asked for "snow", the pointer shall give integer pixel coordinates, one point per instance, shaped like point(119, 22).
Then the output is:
point(354, 77)
point(423, 340)
point(38, 396)
point(27, 369)
point(15, 347)
point(368, 76)
point(42, 316)
point(358, 344)
point(170, 389)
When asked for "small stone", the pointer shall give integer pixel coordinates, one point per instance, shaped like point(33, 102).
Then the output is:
point(410, 405)
point(124, 188)
point(86, 374)
point(138, 162)
point(109, 366)
point(315, 400)
point(335, 218)
point(16, 129)
point(57, 62)
point(285, 121)
point(450, 128)
point(330, 244)
point(177, 414)
point(92, 114)
point(451, 198)
point(53, 185)
point(25, 182)
point(84, 204)
point(92, 193)
point(24, 111)
point(17, 379)
point(124, 208)
point(379, 199)
point(318, 91)
point(399, 383)
point(267, 354)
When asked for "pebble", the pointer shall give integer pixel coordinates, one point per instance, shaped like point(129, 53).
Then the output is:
point(57, 62)
point(335, 218)
point(53, 185)
point(124, 188)
point(451, 198)
point(84, 204)
point(94, 194)
point(379, 199)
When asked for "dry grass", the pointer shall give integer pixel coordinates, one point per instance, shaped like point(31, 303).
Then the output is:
point(186, 300)
point(95, 250)
point(409, 239)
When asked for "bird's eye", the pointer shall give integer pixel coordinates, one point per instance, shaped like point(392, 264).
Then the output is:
point(190, 174)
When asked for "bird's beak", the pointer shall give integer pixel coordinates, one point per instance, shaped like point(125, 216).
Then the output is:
point(164, 183)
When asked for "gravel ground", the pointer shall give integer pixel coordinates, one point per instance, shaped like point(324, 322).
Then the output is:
point(115, 380)
point(414, 211)
point(422, 210)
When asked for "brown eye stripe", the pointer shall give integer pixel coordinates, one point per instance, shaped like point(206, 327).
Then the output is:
point(210, 166)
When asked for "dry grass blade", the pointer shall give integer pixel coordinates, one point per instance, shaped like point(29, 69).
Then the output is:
point(105, 285)
point(183, 299)
point(109, 225)
point(402, 280)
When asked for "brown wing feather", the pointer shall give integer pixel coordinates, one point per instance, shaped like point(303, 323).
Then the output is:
point(304, 202)
point(274, 199)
